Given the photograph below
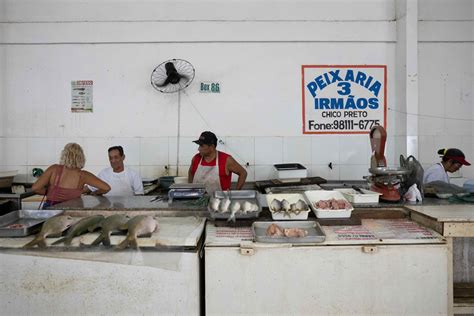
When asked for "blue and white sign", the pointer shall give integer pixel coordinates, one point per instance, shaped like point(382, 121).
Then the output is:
point(343, 99)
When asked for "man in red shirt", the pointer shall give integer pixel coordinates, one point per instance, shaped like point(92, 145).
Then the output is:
point(214, 168)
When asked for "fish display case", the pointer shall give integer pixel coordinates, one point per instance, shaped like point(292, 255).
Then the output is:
point(163, 276)
point(389, 267)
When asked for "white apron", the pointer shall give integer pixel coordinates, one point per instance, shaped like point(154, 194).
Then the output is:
point(120, 185)
point(209, 176)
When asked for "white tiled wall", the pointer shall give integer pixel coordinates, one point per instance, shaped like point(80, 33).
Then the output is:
point(156, 156)
point(39, 122)
point(268, 151)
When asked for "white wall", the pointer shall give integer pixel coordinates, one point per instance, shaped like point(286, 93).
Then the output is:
point(446, 79)
point(2, 81)
point(253, 49)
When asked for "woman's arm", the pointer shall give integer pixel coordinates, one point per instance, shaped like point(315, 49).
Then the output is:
point(90, 179)
point(41, 185)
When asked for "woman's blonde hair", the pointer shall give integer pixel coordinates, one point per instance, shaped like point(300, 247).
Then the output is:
point(73, 156)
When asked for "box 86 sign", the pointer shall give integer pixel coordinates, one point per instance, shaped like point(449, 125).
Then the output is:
point(343, 99)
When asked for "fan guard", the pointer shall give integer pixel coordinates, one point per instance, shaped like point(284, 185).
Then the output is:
point(159, 75)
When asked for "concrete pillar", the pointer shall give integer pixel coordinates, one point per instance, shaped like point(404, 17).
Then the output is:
point(406, 109)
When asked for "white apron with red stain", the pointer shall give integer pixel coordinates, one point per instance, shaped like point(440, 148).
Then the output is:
point(209, 175)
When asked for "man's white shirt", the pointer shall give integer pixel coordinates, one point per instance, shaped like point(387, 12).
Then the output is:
point(435, 173)
point(125, 183)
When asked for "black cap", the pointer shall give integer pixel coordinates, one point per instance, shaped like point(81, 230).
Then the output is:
point(207, 138)
point(456, 155)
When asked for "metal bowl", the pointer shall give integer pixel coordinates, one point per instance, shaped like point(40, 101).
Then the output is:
point(385, 171)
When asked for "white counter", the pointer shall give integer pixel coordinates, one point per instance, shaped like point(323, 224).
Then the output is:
point(398, 275)
point(162, 278)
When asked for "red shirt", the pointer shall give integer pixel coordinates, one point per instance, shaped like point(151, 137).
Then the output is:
point(224, 178)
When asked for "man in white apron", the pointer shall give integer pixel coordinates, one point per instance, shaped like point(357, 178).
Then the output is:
point(214, 168)
point(122, 180)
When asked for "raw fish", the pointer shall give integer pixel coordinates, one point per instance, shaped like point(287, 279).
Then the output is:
point(140, 225)
point(111, 224)
point(52, 227)
point(84, 225)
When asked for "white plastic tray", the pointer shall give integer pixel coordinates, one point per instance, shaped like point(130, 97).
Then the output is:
point(315, 196)
point(292, 198)
point(368, 197)
point(290, 171)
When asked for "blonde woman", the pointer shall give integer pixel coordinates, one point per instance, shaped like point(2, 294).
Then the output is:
point(66, 181)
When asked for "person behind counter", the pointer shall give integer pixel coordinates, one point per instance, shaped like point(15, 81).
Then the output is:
point(452, 160)
point(65, 181)
point(214, 168)
point(123, 180)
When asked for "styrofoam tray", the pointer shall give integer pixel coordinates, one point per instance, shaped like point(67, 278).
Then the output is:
point(315, 196)
point(355, 197)
point(292, 198)
point(315, 233)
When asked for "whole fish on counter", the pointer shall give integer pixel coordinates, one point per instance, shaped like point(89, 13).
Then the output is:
point(138, 226)
point(286, 208)
point(84, 225)
point(113, 223)
point(52, 227)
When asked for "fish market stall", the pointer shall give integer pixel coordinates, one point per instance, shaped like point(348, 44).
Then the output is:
point(456, 223)
point(383, 266)
point(163, 277)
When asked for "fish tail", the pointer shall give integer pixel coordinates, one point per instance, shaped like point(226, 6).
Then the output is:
point(106, 240)
point(124, 244)
point(59, 241)
point(134, 243)
point(33, 243)
point(98, 240)
point(68, 241)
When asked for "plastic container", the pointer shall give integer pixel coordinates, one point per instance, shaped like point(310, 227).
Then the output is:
point(368, 197)
point(165, 182)
point(292, 198)
point(315, 196)
point(290, 171)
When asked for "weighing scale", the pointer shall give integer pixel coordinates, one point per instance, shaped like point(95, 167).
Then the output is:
point(186, 191)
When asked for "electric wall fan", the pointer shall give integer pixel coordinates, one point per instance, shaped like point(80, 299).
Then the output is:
point(171, 76)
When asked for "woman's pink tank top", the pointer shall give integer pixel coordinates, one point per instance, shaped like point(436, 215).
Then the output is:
point(57, 194)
